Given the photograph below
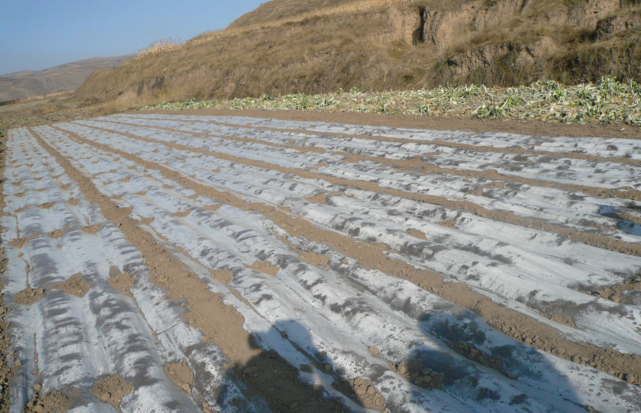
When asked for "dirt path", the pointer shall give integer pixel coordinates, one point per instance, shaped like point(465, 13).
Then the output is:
point(532, 128)
point(243, 263)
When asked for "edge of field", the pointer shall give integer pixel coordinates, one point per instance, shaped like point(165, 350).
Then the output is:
point(535, 128)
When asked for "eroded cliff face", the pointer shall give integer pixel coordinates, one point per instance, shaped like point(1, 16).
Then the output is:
point(512, 62)
point(518, 41)
point(398, 46)
point(443, 27)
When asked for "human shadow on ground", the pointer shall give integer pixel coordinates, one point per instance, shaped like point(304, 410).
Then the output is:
point(459, 374)
point(469, 371)
point(270, 383)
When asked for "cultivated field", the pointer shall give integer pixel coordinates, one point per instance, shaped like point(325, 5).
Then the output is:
point(166, 263)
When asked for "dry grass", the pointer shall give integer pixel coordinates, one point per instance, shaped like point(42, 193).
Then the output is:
point(126, 101)
point(160, 46)
point(287, 58)
point(619, 57)
point(364, 44)
point(580, 53)
point(340, 10)
point(281, 10)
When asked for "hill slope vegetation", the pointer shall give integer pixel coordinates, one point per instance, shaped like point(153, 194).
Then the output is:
point(291, 46)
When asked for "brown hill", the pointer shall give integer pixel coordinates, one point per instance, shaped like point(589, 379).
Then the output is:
point(283, 9)
point(289, 46)
point(28, 83)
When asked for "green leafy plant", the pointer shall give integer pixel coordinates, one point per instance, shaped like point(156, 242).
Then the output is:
point(604, 102)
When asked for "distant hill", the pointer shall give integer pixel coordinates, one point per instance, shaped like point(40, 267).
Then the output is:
point(28, 83)
point(319, 46)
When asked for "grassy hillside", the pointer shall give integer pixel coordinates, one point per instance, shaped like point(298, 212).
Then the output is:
point(285, 9)
point(319, 46)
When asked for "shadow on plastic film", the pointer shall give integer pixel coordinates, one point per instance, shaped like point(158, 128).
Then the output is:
point(618, 214)
point(501, 376)
point(471, 371)
point(270, 383)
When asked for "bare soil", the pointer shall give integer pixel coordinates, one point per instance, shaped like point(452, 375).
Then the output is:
point(111, 389)
point(74, 285)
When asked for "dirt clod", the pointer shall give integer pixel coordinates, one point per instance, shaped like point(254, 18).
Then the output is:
point(29, 296)
point(122, 281)
point(93, 229)
point(74, 285)
point(265, 266)
point(416, 233)
point(364, 391)
point(55, 402)
point(418, 373)
point(315, 259)
point(320, 198)
point(181, 374)
point(22, 241)
point(111, 389)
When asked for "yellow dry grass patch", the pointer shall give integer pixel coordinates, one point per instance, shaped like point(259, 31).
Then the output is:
point(159, 46)
point(342, 9)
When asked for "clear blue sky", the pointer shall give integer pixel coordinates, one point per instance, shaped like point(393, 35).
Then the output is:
point(38, 34)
